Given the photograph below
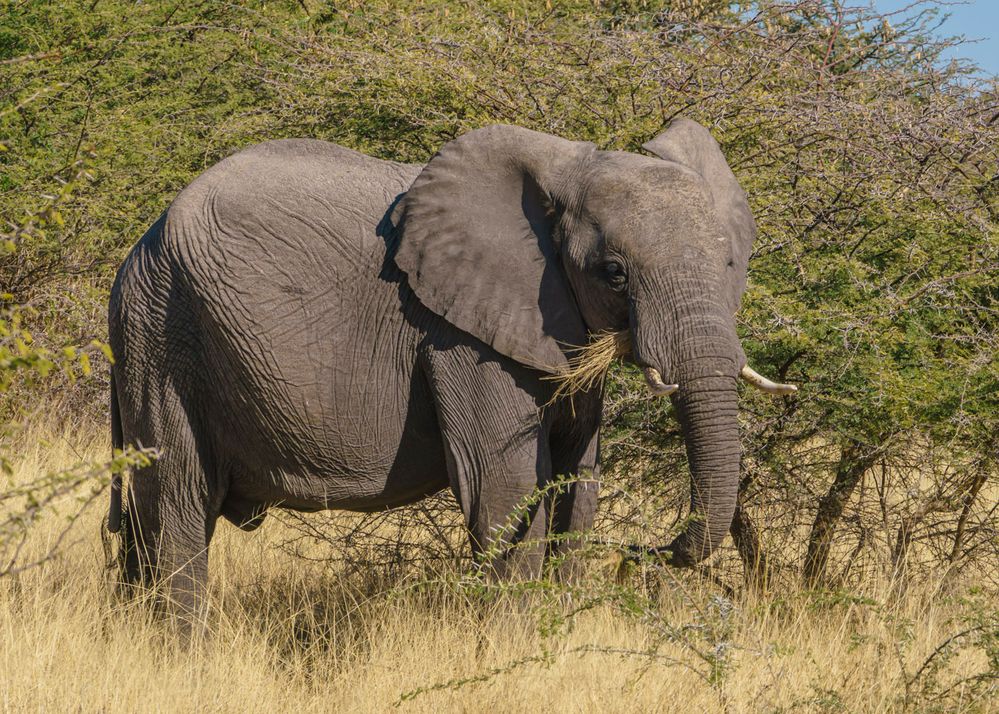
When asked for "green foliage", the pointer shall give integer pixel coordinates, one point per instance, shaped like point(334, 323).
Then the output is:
point(870, 166)
point(27, 248)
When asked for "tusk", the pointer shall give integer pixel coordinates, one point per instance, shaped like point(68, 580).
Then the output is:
point(656, 384)
point(764, 384)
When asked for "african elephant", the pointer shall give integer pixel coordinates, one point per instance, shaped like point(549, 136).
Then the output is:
point(312, 328)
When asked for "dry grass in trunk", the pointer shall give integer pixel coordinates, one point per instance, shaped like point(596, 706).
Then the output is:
point(588, 367)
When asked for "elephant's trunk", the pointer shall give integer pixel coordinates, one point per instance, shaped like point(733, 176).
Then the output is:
point(708, 412)
point(682, 329)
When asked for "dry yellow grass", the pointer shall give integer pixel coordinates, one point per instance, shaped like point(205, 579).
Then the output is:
point(291, 635)
point(589, 365)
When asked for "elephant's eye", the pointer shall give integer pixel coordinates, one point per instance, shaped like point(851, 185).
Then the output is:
point(614, 275)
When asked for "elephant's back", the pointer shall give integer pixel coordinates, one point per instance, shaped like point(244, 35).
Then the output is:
point(281, 248)
point(283, 240)
point(284, 197)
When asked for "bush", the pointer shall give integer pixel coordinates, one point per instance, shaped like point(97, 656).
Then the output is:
point(869, 162)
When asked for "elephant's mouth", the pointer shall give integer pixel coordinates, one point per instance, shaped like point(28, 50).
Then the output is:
point(589, 365)
point(659, 388)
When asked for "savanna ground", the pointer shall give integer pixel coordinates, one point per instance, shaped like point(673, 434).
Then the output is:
point(310, 632)
point(863, 570)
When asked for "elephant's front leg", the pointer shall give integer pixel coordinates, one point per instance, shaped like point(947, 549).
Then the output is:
point(499, 463)
point(507, 517)
point(574, 440)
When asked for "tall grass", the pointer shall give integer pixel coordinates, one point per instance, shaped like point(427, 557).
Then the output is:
point(299, 634)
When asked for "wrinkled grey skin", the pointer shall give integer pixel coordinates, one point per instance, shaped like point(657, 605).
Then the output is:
point(311, 328)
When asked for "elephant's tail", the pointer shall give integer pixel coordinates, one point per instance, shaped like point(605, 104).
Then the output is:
point(117, 442)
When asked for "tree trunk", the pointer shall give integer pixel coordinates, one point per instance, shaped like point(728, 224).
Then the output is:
point(851, 467)
point(900, 554)
point(755, 564)
point(962, 521)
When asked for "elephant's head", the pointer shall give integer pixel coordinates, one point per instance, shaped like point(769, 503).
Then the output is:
point(531, 243)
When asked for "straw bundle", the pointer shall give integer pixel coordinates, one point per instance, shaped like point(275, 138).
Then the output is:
point(591, 362)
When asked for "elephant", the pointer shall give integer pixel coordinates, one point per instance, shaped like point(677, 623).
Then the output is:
point(308, 327)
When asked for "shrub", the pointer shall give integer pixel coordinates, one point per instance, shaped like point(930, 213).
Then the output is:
point(870, 164)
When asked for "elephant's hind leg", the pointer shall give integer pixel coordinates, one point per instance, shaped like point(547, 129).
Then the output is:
point(173, 505)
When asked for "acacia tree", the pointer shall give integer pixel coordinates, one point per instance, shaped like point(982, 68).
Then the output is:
point(870, 164)
point(25, 365)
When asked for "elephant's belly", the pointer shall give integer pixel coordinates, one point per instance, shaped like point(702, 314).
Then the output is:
point(351, 461)
point(354, 434)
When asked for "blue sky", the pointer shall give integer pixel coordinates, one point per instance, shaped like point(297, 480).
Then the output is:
point(978, 19)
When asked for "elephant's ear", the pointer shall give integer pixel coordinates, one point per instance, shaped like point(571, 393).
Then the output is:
point(688, 143)
point(475, 241)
